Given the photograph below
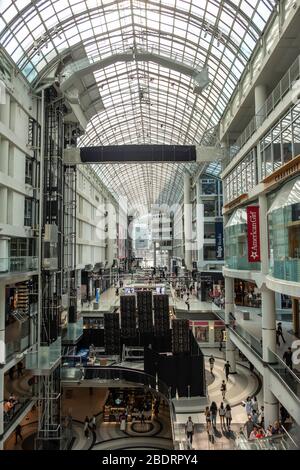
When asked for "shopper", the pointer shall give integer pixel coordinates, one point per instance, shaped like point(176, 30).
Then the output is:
point(262, 417)
point(20, 369)
point(283, 415)
point(86, 427)
point(11, 372)
point(18, 433)
point(249, 425)
point(248, 406)
point(223, 389)
point(227, 367)
point(228, 416)
point(211, 361)
point(254, 403)
point(222, 414)
point(213, 414)
point(279, 330)
point(93, 423)
point(187, 304)
point(288, 358)
point(189, 429)
point(253, 433)
point(255, 417)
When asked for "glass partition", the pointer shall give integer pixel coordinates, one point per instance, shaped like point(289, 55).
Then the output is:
point(284, 233)
point(236, 242)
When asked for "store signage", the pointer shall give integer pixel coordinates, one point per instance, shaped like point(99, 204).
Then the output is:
point(284, 172)
point(253, 234)
point(219, 240)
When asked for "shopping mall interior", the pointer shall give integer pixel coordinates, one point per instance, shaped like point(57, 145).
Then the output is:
point(149, 225)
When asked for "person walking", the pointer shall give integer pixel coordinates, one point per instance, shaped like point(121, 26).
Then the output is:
point(222, 414)
point(86, 427)
point(288, 358)
point(227, 367)
point(213, 414)
point(228, 416)
point(207, 415)
point(223, 389)
point(279, 332)
point(254, 403)
point(262, 417)
point(20, 369)
point(187, 304)
point(248, 406)
point(211, 361)
point(18, 433)
point(93, 423)
point(189, 429)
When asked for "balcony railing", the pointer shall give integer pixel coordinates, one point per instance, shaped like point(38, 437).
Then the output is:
point(286, 84)
point(281, 441)
point(12, 415)
point(18, 264)
point(285, 373)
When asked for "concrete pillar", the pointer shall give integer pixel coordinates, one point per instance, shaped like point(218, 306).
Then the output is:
point(200, 224)
point(187, 223)
point(271, 407)
point(2, 325)
point(4, 149)
point(4, 261)
point(229, 307)
point(268, 322)
point(296, 316)
point(5, 111)
point(260, 96)
point(3, 205)
point(268, 315)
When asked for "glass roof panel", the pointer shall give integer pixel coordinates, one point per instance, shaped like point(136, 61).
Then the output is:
point(144, 101)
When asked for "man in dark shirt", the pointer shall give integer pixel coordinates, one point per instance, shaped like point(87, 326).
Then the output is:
point(227, 368)
point(288, 358)
point(279, 332)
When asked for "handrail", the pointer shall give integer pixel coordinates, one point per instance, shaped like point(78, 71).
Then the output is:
point(157, 385)
point(290, 437)
point(286, 366)
point(284, 85)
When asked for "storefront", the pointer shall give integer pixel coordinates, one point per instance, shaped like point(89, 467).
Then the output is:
point(236, 242)
point(208, 333)
point(210, 285)
point(128, 405)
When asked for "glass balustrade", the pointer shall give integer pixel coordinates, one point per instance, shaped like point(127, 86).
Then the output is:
point(18, 264)
point(277, 442)
point(252, 341)
point(285, 373)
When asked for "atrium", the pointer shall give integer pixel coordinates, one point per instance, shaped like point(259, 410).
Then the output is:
point(149, 225)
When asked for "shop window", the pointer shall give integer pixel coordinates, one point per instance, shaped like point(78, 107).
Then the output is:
point(28, 171)
point(209, 230)
point(210, 208)
point(284, 233)
point(209, 252)
point(28, 212)
point(202, 334)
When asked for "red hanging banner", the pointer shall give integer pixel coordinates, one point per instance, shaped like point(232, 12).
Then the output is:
point(253, 234)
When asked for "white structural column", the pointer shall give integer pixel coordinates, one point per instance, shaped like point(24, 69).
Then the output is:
point(268, 316)
point(229, 308)
point(199, 225)
point(2, 357)
point(111, 235)
point(5, 111)
point(260, 96)
point(187, 222)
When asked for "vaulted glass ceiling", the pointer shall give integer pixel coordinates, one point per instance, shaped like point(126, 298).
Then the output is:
point(143, 101)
